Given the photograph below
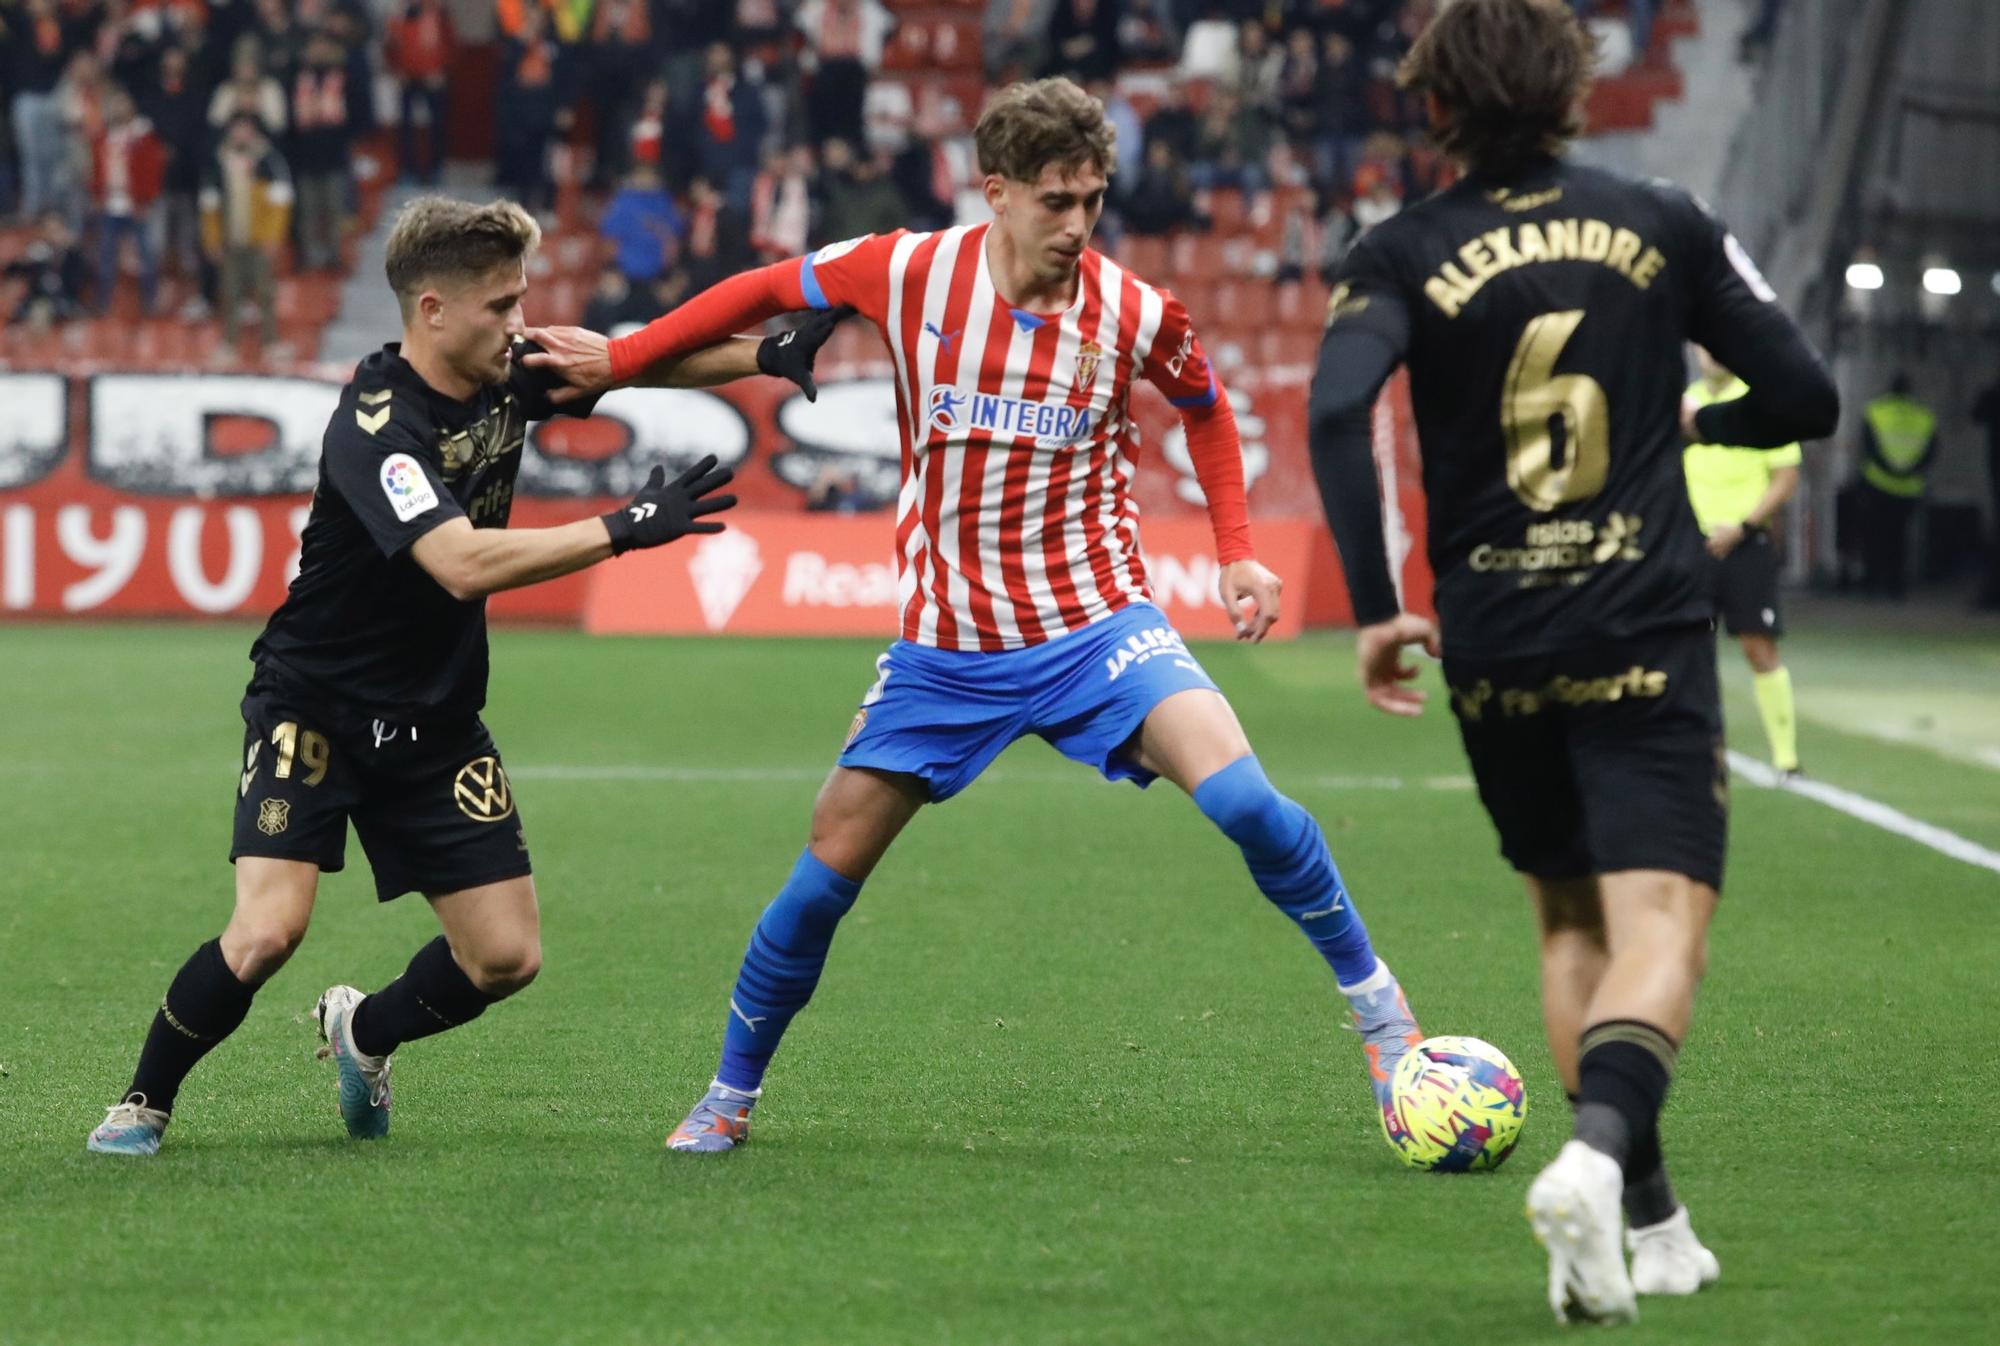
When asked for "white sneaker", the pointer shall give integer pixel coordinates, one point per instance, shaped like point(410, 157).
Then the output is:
point(1573, 1206)
point(1667, 1259)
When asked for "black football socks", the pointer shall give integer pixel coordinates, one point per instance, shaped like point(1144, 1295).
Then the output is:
point(203, 1006)
point(433, 994)
point(1649, 1196)
point(1622, 1077)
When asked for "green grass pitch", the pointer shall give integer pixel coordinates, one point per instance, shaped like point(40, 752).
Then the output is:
point(1068, 1079)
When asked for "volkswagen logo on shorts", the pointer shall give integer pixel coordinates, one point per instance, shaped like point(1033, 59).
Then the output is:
point(481, 790)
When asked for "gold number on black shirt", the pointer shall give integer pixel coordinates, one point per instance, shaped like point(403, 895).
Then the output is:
point(1534, 400)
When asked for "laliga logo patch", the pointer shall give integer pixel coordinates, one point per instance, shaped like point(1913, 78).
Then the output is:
point(407, 488)
point(835, 250)
point(945, 403)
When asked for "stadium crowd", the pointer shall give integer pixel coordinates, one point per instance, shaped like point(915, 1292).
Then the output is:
point(215, 140)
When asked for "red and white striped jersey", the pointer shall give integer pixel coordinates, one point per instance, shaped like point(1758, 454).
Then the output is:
point(1016, 522)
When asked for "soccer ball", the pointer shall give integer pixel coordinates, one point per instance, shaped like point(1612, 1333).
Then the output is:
point(1456, 1106)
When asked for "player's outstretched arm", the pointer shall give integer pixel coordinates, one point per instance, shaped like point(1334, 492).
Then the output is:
point(582, 358)
point(471, 563)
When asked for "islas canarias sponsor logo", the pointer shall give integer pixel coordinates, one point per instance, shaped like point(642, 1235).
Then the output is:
point(1049, 424)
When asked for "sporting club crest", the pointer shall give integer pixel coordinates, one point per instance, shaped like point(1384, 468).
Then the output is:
point(1087, 356)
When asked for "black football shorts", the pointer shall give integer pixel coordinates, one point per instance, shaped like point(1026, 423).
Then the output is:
point(1600, 760)
point(431, 802)
point(1746, 587)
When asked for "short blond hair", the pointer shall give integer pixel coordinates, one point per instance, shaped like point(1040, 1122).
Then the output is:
point(1029, 126)
point(436, 238)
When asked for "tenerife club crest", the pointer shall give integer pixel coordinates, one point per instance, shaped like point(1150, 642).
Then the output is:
point(274, 816)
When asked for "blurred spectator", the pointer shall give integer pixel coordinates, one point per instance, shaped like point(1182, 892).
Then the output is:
point(664, 295)
point(717, 237)
point(1209, 53)
point(731, 129)
point(1083, 40)
point(1259, 64)
point(781, 205)
point(860, 199)
point(419, 55)
point(1230, 145)
point(1015, 37)
point(525, 111)
point(281, 40)
point(127, 169)
point(610, 303)
point(624, 58)
point(38, 45)
point(1162, 200)
point(1174, 122)
point(642, 226)
point(843, 48)
point(645, 140)
point(1148, 33)
point(923, 177)
point(80, 94)
point(126, 46)
point(246, 214)
point(1378, 194)
point(249, 92)
point(321, 138)
point(52, 268)
point(179, 114)
point(1128, 148)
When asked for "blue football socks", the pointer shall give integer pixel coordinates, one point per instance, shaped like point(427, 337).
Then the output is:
point(782, 966)
point(1289, 861)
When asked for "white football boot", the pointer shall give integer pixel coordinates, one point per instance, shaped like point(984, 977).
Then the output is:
point(1667, 1259)
point(1574, 1208)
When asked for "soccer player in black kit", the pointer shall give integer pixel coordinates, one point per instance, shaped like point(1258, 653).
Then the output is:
point(364, 703)
point(1542, 309)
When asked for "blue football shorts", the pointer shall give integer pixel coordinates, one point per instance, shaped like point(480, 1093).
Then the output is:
point(944, 715)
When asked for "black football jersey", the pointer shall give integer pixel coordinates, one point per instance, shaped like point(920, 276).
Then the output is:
point(1543, 322)
point(363, 623)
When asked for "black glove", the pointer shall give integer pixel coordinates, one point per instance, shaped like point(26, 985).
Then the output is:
point(789, 355)
point(664, 510)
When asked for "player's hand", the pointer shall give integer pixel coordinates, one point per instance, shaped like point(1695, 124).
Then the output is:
point(1688, 408)
point(790, 355)
point(1248, 584)
point(1724, 539)
point(664, 510)
point(1385, 671)
point(579, 357)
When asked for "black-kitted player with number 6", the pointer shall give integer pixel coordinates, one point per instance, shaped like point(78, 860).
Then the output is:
point(1542, 309)
point(364, 704)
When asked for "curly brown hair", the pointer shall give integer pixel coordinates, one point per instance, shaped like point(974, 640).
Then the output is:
point(436, 238)
point(1510, 77)
point(1027, 127)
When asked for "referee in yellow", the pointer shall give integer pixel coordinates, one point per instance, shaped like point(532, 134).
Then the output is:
point(1736, 494)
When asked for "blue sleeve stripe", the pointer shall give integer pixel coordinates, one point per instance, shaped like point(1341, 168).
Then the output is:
point(809, 283)
point(1205, 398)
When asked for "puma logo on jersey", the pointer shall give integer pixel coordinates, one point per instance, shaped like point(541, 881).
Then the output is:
point(945, 339)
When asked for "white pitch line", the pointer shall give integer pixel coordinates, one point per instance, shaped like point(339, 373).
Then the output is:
point(703, 775)
point(1869, 811)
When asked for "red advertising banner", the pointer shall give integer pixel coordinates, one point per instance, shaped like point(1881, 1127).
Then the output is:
point(804, 574)
point(153, 494)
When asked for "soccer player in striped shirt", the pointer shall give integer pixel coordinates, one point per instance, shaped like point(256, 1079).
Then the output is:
point(1023, 594)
